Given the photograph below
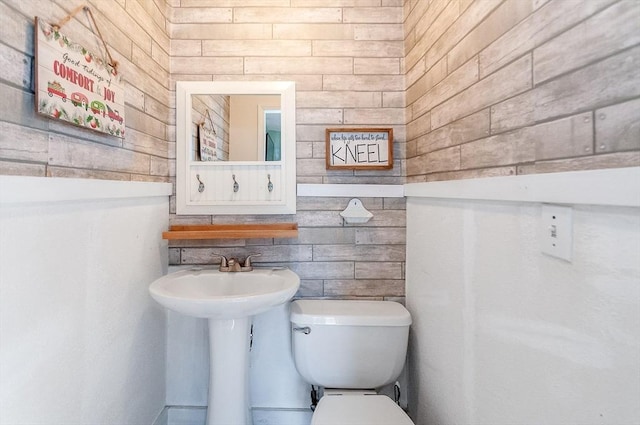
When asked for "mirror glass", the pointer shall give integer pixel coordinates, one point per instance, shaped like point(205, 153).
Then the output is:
point(252, 121)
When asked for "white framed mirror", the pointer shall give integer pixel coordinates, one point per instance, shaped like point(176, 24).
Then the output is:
point(235, 147)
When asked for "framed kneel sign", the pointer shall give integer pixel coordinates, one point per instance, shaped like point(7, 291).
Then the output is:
point(359, 148)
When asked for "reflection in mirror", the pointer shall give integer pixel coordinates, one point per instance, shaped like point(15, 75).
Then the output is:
point(272, 135)
point(209, 117)
point(235, 127)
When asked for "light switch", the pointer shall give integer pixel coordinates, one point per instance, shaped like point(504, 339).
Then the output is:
point(556, 237)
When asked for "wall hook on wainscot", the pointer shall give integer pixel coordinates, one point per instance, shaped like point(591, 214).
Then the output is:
point(356, 213)
point(236, 186)
point(200, 184)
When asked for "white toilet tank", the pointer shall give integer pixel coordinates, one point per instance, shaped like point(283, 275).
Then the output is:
point(349, 344)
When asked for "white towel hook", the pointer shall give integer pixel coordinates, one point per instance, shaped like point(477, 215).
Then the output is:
point(356, 213)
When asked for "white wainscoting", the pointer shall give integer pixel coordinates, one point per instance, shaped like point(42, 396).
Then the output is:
point(81, 341)
point(504, 334)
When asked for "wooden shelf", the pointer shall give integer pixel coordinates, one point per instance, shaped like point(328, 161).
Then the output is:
point(232, 231)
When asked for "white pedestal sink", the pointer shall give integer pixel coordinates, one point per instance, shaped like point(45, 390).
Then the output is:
point(228, 300)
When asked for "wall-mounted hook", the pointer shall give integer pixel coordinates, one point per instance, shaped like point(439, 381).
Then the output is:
point(201, 185)
point(236, 186)
point(270, 185)
point(356, 213)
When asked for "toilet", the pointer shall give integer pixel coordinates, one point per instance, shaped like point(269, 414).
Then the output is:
point(351, 349)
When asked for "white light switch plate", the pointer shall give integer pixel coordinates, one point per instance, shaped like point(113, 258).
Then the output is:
point(556, 238)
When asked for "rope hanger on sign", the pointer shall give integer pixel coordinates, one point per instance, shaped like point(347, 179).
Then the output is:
point(206, 117)
point(113, 63)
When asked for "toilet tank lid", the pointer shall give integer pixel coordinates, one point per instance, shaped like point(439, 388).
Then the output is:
point(349, 313)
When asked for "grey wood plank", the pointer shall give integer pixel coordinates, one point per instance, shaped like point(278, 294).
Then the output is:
point(618, 127)
point(505, 83)
point(615, 28)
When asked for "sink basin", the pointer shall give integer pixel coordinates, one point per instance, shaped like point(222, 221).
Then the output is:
point(228, 300)
point(211, 294)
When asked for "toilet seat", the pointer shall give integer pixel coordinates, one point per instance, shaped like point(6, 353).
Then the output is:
point(359, 410)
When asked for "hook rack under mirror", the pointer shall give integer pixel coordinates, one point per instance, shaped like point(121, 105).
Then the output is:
point(244, 129)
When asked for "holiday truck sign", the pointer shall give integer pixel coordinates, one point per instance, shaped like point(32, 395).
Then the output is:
point(76, 86)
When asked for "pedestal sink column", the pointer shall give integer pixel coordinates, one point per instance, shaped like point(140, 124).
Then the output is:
point(228, 301)
point(229, 372)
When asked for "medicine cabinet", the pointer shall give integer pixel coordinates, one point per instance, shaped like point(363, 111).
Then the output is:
point(235, 147)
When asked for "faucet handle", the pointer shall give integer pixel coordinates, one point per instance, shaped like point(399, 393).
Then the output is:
point(247, 261)
point(223, 260)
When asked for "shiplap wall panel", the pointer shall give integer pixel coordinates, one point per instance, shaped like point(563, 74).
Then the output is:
point(424, 41)
point(441, 160)
point(543, 25)
point(419, 126)
point(345, 99)
point(613, 160)
point(377, 32)
point(318, 116)
point(370, 270)
point(372, 15)
point(203, 15)
point(545, 82)
point(509, 81)
point(421, 81)
point(454, 83)
point(198, 31)
point(346, 57)
point(608, 32)
point(504, 17)
point(10, 167)
point(472, 88)
point(602, 83)
point(137, 38)
point(365, 83)
point(313, 31)
point(356, 287)
point(70, 152)
point(372, 235)
point(16, 66)
point(377, 66)
point(618, 127)
point(23, 144)
point(394, 99)
point(453, 25)
point(203, 65)
point(469, 128)
point(255, 47)
point(13, 29)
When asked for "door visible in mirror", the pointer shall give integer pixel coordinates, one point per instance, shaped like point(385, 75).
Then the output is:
point(271, 134)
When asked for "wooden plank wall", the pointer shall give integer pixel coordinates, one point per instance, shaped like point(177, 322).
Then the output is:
point(36, 146)
point(521, 86)
point(472, 88)
point(346, 59)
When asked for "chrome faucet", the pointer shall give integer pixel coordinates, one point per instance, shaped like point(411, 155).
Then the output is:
point(234, 265)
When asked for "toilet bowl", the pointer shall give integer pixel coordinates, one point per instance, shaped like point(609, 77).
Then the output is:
point(370, 409)
point(351, 348)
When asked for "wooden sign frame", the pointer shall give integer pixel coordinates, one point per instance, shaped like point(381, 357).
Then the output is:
point(359, 148)
point(208, 143)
